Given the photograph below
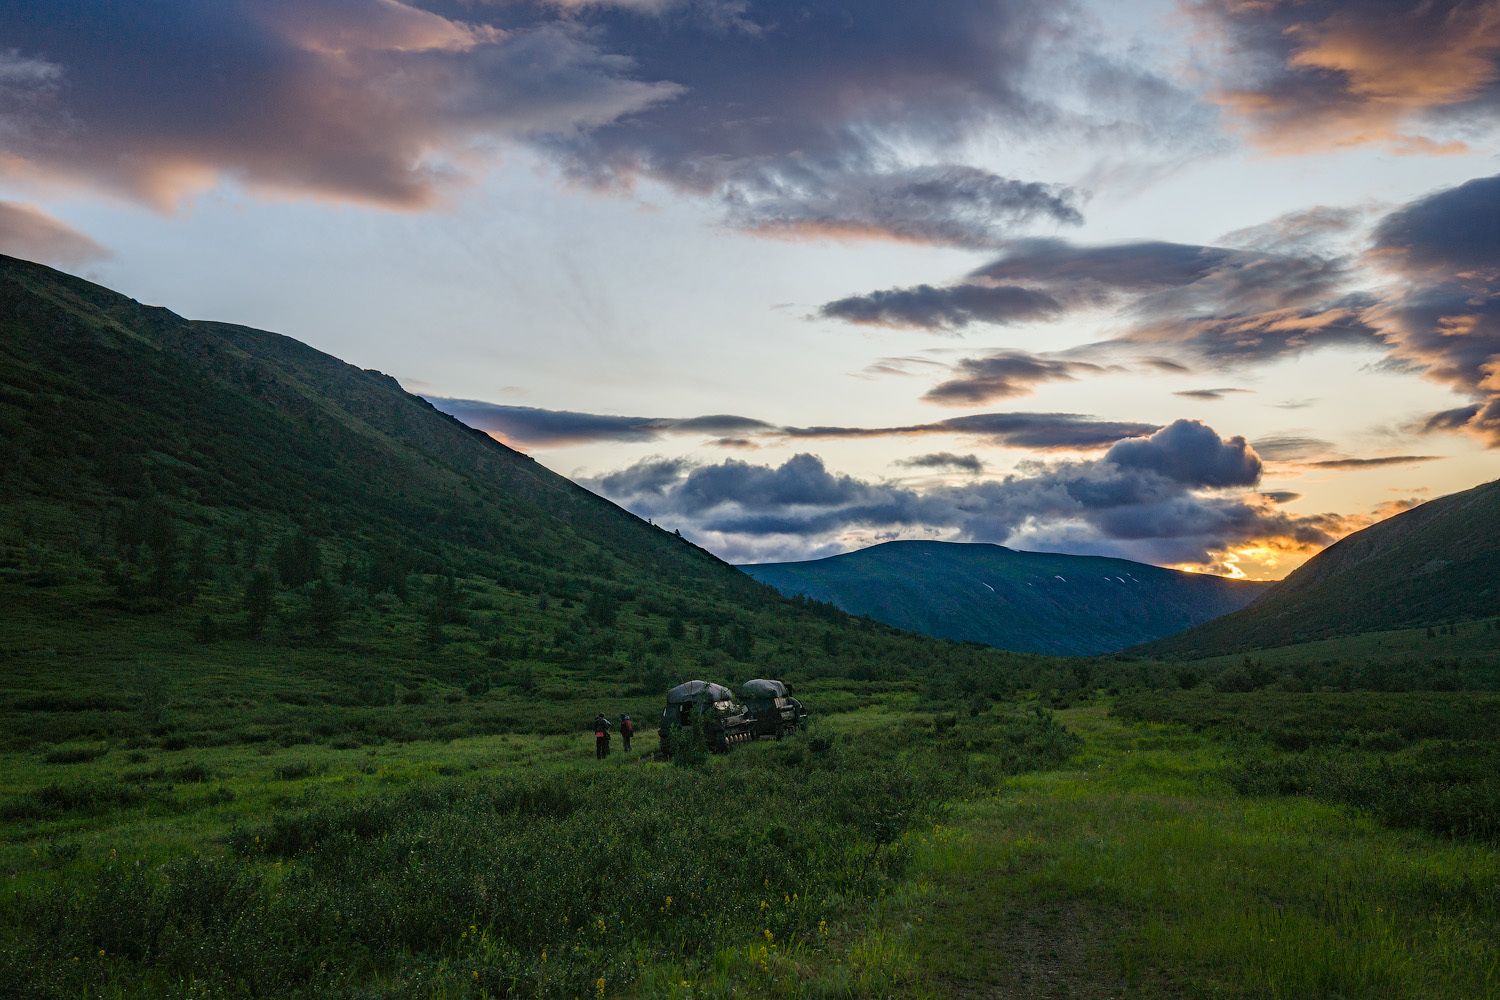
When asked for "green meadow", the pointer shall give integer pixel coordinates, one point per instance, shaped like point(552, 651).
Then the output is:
point(889, 851)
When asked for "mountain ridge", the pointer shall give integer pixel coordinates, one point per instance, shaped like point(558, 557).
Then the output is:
point(1024, 601)
point(1432, 564)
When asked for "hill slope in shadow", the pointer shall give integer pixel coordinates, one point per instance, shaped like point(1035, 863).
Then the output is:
point(1024, 601)
point(1436, 563)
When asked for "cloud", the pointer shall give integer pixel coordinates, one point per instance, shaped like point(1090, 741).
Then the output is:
point(944, 460)
point(1372, 463)
point(1304, 229)
point(1284, 447)
point(1442, 315)
point(1189, 451)
point(1210, 395)
point(803, 120)
point(944, 309)
point(1213, 305)
point(937, 205)
point(832, 119)
point(1307, 75)
point(1034, 431)
point(29, 233)
point(530, 426)
point(1158, 499)
point(373, 101)
point(1001, 375)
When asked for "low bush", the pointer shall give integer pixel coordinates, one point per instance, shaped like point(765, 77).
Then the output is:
point(75, 755)
point(521, 885)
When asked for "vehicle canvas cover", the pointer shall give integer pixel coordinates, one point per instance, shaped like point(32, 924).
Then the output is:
point(762, 688)
point(692, 692)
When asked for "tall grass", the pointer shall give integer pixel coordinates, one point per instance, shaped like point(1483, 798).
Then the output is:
point(528, 885)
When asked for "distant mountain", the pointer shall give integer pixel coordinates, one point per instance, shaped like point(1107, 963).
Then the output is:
point(1025, 601)
point(1439, 562)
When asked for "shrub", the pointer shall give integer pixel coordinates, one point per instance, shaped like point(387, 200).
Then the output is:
point(75, 755)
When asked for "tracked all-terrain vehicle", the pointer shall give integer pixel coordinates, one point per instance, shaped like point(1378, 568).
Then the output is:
point(772, 711)
point(713, 706)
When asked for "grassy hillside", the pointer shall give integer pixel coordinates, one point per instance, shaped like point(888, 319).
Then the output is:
point(212, 534)
point(1030, 601)
point(1433, 564)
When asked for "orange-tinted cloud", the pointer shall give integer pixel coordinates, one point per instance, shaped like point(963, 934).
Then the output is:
point(1442, 313)
point(32, 234)
point(1305, 75)
point(373, 101)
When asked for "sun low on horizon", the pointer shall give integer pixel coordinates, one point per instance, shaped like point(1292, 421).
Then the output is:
point(1207, 285)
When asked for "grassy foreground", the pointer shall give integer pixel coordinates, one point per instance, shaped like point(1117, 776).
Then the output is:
point(491, 867)
point(1137, 871)
point(891, 854)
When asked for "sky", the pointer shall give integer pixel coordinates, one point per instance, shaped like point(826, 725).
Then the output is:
point(1203, 283)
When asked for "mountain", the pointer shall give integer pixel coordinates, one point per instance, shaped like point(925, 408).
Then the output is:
point(1025, 601)
point(1433, 564)
point(265, 542)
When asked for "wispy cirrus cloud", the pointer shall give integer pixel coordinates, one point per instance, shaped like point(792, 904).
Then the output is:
point(1372, 463)
point(530, 426)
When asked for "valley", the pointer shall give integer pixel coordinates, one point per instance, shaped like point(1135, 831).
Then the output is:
point(296, 676)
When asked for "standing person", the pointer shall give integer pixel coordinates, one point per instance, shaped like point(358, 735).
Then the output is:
point(627, 730)
point(601, 736)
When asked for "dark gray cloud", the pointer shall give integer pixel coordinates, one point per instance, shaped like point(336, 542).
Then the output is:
point(1188, 451)
point(1307, 75)
point(1210, 395)
point(1443, 316)
point(370, 100)
point(1210, 305)
point(32, 234)
point(813, 118)
point(1003, 374)
point(530, 426)
point(1157, 500)
point(943, 460)
point(1372, 463)
point(826, 118)
point(1140, 266)
point(1034, 431)
point(949, 308)
point(939, 205)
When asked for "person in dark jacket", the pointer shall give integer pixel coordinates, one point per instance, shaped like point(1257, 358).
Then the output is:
point(601, 736)
point(627, 730)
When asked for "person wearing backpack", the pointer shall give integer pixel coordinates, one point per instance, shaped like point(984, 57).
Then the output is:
point(627, 730)
point(601, 736)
